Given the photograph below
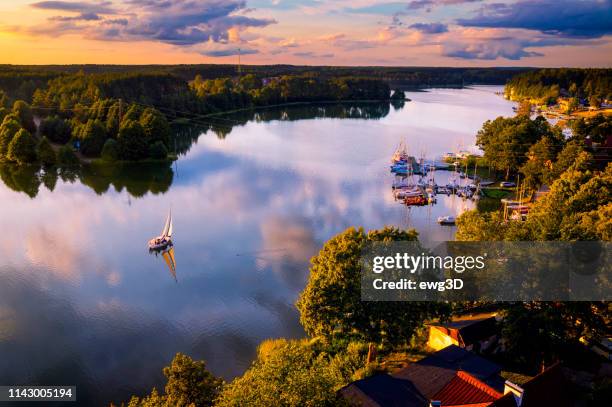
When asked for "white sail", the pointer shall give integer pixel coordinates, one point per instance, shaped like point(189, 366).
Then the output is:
point(167, 225)
point(169, 234)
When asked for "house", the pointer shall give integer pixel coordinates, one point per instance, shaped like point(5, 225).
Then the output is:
point(473, 332)
point(549, 388)
point(451, 377)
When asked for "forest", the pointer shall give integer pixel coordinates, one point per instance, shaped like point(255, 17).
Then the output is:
point(546, 85)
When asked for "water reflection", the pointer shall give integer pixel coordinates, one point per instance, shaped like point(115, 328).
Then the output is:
point(82, 302)
point(168, 255)
point(137, 179)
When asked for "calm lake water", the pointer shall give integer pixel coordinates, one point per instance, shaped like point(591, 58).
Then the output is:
point(83, 302)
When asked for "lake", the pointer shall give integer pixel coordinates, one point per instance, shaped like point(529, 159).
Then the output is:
point(253, 198)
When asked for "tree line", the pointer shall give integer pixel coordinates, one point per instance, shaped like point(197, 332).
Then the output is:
point(546, 85)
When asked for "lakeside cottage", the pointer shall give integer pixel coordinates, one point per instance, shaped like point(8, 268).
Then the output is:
point(455, 377)
point(450, 377)
point(477, 333)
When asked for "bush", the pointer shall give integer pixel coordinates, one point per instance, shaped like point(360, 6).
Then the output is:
point(22, 149)
point(92, 136)
point(66, 157)
point(110, 151)
point(7, 131)
point(45, 152)
point(56, 129)
point(131, 141)
point(26, 118)
point(158, 150)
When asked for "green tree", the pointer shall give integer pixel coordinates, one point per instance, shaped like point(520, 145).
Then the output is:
point(294, 373)
point(131, 141)
point(45, 153)
point(506, 141)
point(541, 333)
point(477, 226)
point(113, 117)
point(566, 158)
point(110, 150)
point(575, 200)
point(66, 157)
point(572, 105)
point(56, 129)
point(92, 136)
point(594, 102)
point(188, 384)
point(26, 118)
point(3, 113)
point(158, 151)
point(331, 305)
point(524, 108)
point(22, 148)
point(249, 82)
point(398, 94)
point(155, 126)
point(133, 113)
point(537, 169)
point(8, 130)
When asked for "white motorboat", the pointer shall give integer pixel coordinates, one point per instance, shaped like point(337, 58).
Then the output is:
point(446, 220)
point(164, 240)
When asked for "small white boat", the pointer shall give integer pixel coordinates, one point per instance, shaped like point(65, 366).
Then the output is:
point(446, 220)
point(165, 239)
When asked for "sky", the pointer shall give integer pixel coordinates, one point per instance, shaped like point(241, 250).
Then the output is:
point(309, 32)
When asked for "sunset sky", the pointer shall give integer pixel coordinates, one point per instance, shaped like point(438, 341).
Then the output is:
point(342, 32)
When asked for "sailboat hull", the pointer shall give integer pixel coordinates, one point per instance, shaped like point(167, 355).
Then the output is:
point(160, 243)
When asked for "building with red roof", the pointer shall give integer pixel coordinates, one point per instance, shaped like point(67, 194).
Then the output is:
point(451, 377)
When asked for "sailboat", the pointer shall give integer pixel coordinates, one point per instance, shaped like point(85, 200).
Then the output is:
point(164, 240)
point(400, 156)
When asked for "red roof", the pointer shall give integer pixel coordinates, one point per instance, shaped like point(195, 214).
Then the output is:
point(464, 389)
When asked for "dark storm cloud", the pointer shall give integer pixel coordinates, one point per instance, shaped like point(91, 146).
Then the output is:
point(568, 18)
point(430, 28)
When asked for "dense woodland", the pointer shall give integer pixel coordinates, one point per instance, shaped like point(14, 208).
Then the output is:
point(546, 85)
point(125, 115)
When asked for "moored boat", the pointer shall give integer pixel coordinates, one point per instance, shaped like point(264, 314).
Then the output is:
point(446, 220)
point(415, 200)
point(164, 240)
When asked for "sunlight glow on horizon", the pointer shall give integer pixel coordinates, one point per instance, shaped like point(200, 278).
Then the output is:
point(449, 33)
